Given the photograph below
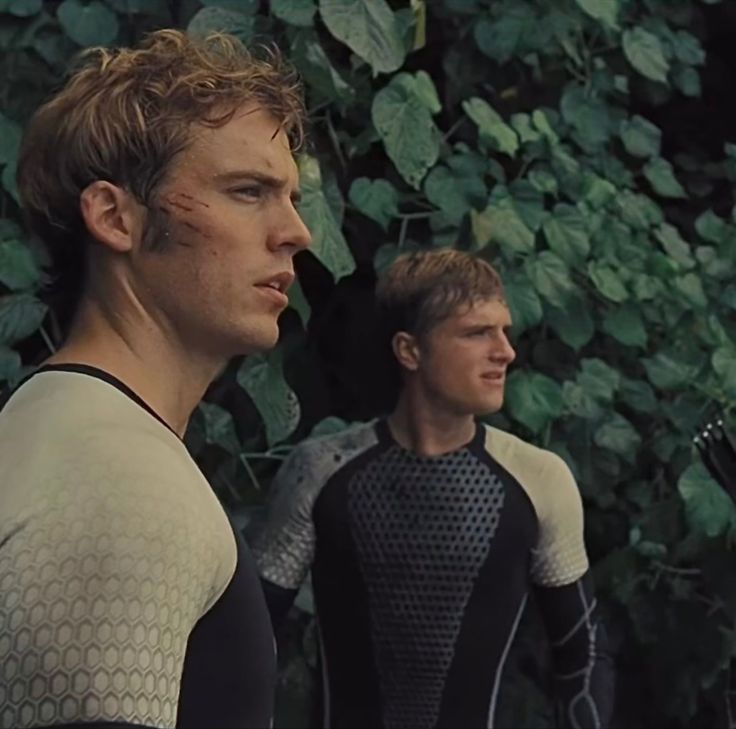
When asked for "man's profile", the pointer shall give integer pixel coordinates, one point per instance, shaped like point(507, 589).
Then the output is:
point(162, 180)
point(425, 531)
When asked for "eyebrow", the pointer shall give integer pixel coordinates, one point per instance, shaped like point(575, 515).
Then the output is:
point(270, 181)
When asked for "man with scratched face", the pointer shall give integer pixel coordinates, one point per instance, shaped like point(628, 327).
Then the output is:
point(426, 531)
point(162, 180)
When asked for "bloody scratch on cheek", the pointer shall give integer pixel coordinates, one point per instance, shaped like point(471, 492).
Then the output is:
point(179, 205)
point(193, 199)
point(196, 229)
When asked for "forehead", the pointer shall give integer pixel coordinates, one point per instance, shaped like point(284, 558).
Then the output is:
point(482, 312)
point(251, 140)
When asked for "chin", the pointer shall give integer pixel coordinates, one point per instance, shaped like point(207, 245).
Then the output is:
point(488, 407)
point(258, 339)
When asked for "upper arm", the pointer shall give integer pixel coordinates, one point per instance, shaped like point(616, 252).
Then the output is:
point(284, 546)
point(102, 577)
point(559, 557)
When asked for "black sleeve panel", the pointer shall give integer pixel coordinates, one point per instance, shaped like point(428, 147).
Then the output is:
point(584, 675)
point(279, 601)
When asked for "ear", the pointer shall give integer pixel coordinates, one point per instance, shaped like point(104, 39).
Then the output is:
point(111, 214)
point(406, 350)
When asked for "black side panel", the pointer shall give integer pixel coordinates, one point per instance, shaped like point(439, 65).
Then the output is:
point(229, 672)
point(343, 609)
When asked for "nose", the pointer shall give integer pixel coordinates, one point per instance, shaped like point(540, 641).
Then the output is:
point(291, 232)
point(503, 351)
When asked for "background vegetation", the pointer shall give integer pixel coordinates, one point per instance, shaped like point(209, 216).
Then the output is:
point(580, 145)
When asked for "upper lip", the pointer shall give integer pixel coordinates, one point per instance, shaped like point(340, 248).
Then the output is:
point(280, 281)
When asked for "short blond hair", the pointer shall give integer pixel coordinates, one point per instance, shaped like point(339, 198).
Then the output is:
point(125, 113)
point(422, 288)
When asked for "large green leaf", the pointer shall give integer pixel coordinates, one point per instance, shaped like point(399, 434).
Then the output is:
point(588, 115)
point(18, 267)
point(317, 70)
point(22, 8)
point(573, 325)
point(328, 243)
point(638, 211)
point(667, 371)
point(708, 508)
point(533, 399)
point(455, 189)
point(691, 287)
point(492, 128)
point(404, 122)
point(262, 377)
point(606, 11)
point(617, 434)
point(607, 281)
point(675, 246)
point(710, 227)
point(640, 137)
point(598, 379)
point(724, 364)
point(625, 324)
point(500, 37)
point(551, 277)
point(645, 53)
point(20, 316)
point(567, 234)
point(222, 20)
point(500, 222)
point(368, 28)
point(298, 302)
point(638, 395)
point(88, 24)
point(662, 178)
point(294, 12)
point(378, 199)
point(219, 427)
point(523, 302)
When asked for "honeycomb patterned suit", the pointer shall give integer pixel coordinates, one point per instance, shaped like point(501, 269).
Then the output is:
point(126, 598)
point(421, 567)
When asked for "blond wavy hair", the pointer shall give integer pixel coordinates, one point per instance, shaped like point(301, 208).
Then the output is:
point(125, 113)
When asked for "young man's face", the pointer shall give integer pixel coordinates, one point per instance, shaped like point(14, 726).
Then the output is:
point(462, 360)
point(219, 245)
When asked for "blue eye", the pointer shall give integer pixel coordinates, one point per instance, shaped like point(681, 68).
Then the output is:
point(252, 191)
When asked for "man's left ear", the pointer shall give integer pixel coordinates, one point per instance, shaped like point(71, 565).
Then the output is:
point(112, 215)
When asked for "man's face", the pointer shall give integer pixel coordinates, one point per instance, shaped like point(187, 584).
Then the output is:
point(463, 359)
point(218, 249)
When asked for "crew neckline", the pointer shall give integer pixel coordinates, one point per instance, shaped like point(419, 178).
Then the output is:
point(384, 434)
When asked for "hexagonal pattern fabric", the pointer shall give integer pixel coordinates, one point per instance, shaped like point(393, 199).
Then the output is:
point(423, 528)
point(112, 546)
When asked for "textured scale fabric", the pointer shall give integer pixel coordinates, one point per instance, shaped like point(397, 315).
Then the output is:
point(420, 566)
point(126, 597)
point(423, 528)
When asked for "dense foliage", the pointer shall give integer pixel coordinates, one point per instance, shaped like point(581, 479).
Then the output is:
point(566, 141)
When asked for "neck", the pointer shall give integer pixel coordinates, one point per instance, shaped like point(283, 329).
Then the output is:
point(143, 354)
point(427, 428)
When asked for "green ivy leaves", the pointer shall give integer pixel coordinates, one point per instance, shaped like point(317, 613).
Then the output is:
point(369, 28)
point(328, 243)
point(645, 53)
point(88, 23)
point(402, 114)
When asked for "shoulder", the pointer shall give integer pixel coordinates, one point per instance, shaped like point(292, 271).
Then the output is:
point(523, 459)
point(326, 454)
point(545, 477)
